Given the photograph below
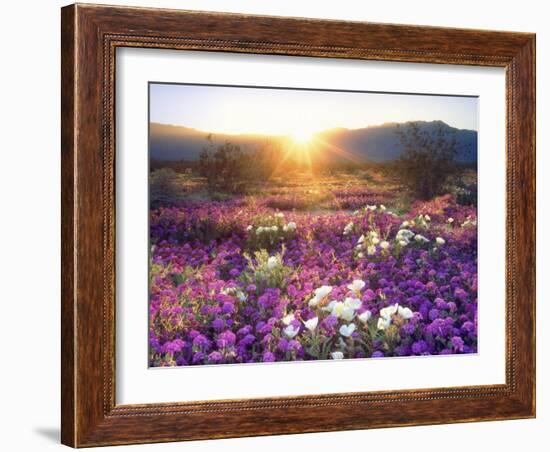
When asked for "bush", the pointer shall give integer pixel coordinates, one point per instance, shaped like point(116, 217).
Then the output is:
point(265, 271)
point(269, 232)
point(229, 168)
point(164, 187)
point(466, 194)
point(428, 160)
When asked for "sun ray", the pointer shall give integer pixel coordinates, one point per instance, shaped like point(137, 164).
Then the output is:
point(339, 151)
point(286, 156)
point(302, 136)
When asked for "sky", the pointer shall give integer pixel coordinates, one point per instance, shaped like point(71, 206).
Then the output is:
point(296, 112)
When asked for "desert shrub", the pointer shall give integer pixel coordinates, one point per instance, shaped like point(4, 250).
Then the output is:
point(164, 187)
point(428, 160)
point(230, 168)
point(401, 204)
point(207, 229)
point(465, 194)
point(223, 166)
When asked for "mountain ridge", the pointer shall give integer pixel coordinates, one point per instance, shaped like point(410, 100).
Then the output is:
point(378, 143)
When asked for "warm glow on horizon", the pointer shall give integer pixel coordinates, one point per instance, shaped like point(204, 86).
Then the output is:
point(296, 113)
point(301, 136)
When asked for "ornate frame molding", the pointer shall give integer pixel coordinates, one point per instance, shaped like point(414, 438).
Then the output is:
point(90, 37)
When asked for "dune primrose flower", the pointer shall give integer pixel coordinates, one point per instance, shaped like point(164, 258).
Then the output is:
point(357, 285)
point(347, 330)
point(311, 324)
point(291, 331)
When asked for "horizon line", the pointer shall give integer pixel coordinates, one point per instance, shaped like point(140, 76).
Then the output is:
point(316, 132)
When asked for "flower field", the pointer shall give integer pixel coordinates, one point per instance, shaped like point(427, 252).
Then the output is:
point(309, 271)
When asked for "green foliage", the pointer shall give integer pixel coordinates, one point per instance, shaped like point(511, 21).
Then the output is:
point(269, 231)
point(206, 229)
point(229, 168)
point(428, 160)
point(401, 204)
point(308, 200)
point(465, 194)
point(164, 187)
point(265, 271)
point(180, 278)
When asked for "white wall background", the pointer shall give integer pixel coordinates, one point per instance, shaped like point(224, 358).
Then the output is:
point(29, 225)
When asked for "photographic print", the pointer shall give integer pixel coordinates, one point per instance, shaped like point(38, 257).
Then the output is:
point(302, 224)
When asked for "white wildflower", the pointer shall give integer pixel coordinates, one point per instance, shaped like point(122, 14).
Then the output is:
point(404, 234)
point(323, 291)
point(450, 220)
point(353, 303)
point(440, 241)
point(287, 319)
point(371, 250)
point(313, 302)
point(339, 310)
point(361, 239)
point(357, 285)
point(272, 262)
point(383, 323)
point(365, 316)
point(228, 290)
point(311, 324)
point(388, 311)
point(329, 307)
point(249, 228)
point(348, 313)
point(404, 313)
point(337, 355)
point(469, 222)
point(291, 331)
point(384, 245)
point(421, 239)
point(347, 330)
point(320, 293)
point(348, 228)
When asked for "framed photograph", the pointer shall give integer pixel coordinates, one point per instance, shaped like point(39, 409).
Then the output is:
point(282, 225)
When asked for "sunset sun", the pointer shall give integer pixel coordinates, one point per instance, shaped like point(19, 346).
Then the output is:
point(302, 136)
point(301, 225)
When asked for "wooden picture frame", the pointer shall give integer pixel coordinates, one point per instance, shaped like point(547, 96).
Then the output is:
point(90, 36)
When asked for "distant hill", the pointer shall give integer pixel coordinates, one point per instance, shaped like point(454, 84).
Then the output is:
point(375, 143)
